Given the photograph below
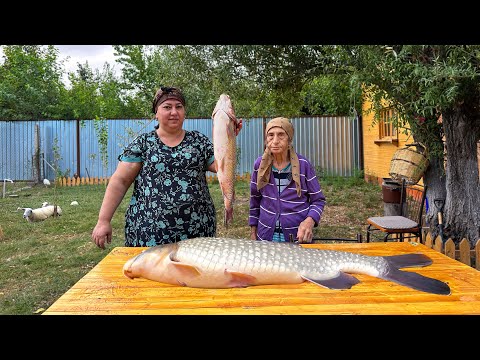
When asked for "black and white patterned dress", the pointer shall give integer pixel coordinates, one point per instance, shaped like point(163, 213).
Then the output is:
point(170, 200)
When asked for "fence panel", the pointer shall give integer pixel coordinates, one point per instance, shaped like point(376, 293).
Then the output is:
point(71, 147)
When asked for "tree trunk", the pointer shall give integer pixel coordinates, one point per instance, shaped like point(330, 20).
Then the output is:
point(434, 178)
point(462, 202)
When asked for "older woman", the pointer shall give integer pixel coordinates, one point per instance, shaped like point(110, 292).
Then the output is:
point(286, 200)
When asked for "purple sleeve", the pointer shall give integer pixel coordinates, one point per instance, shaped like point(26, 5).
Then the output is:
point(317, 198)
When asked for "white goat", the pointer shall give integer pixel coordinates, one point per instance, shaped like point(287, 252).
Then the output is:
point(40, 214)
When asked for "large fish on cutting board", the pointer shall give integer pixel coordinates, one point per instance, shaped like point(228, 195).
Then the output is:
point(225, 151)
point(226, 263)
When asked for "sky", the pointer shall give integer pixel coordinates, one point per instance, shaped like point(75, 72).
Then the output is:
point(96, 55)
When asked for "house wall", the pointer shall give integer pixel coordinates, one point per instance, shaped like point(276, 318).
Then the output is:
point(377, 155)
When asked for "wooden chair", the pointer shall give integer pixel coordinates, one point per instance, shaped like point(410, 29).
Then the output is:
point(405, 226)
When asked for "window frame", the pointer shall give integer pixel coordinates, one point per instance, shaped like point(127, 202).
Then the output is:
point(387, 131)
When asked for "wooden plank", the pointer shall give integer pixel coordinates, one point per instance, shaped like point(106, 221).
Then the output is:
point(428, 240)
point(477, 254)
point(105, 290)
point(450, 248)
point(438, 244)
point(464, 248)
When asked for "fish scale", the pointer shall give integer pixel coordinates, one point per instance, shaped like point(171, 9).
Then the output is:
point(223, 262)
point(310, 262)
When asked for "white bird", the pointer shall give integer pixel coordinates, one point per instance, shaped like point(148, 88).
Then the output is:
point(46, 182)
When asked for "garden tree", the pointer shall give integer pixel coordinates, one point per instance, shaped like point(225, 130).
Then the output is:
point(30, 83)
point(196, 70)
point(420, 82)
point(331, 94)
point(236, 71)
point(146, 68)
point(113, 100)
point(83, 94)
point(139, 73)
point(271, 80)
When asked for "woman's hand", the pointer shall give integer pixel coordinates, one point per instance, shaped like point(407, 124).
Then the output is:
point(253, 233)
point(239, 126)
point(102, 233)
point(305, 230)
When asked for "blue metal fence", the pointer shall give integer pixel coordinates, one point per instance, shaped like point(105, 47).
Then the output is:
point(67, 147)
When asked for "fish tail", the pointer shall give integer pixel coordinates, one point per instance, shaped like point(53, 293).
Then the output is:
point(411, 279)
point(227, 216)
point(408, 260)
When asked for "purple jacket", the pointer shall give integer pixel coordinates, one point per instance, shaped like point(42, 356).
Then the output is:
point(266, 204)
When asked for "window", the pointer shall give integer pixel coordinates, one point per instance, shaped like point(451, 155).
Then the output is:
point(387, 131)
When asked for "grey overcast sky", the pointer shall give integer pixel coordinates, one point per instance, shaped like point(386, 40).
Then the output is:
point(96, 55)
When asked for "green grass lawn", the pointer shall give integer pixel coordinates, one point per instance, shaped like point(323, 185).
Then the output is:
point(40, 261)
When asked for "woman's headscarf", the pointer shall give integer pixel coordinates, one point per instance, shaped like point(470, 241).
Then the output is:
point(267, 157)
point(165, 93)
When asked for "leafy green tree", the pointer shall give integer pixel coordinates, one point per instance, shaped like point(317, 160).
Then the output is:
point(204, 72)
point(84, 93)
point(112, 97)
point(30, 83)
point(423, 82)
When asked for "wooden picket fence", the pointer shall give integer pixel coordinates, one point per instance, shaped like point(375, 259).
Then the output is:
point(77, 181)
point(461, 252)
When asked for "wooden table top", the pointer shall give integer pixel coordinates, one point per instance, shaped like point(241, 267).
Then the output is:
point(105, 290)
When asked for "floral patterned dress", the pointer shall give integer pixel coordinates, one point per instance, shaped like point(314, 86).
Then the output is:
point(170, 200)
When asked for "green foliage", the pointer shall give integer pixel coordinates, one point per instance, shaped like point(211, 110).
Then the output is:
point(271, 80)
point(56, 159)
point(30, 82)
point(331, 95)
point(420, 82)
point(101, 130)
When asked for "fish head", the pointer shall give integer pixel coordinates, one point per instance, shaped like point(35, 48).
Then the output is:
point(155, 258)
point(225, 104)
point(158, 263)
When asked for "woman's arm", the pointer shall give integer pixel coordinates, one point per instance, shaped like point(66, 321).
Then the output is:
point(118, 185)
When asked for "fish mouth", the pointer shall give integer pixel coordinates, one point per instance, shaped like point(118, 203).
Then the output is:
point(127, 268)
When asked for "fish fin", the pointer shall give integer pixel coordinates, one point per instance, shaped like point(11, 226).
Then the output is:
point(238, 279)
point(340, 282)
point(186, 269)
point(417, 281)
point(408, 260)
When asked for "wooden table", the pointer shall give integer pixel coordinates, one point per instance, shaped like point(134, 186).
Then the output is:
point(105, 290)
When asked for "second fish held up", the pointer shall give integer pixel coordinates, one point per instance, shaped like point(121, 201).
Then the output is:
point(225, 150)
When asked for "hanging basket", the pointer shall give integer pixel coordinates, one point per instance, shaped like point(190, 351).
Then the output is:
point(409, 164)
